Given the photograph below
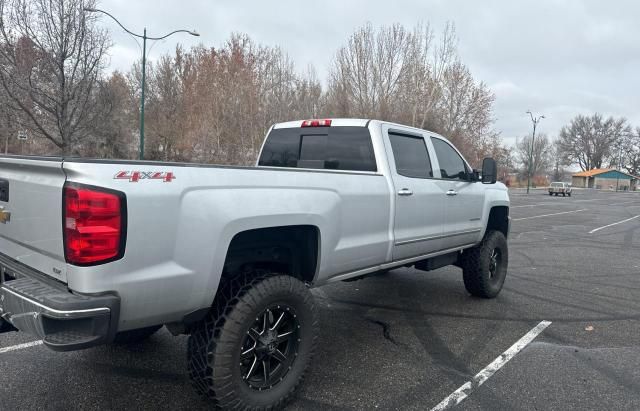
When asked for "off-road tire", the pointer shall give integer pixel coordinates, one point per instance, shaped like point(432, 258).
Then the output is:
point(479, 280)
point(215, 343)
point(134, 336)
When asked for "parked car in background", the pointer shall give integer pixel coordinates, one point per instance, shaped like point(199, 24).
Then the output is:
point(560, 188)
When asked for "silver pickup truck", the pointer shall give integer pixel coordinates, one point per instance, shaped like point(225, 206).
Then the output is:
point(101, 251)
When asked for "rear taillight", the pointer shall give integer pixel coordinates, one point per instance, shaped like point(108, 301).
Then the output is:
point(94, 225)
point(316, 123)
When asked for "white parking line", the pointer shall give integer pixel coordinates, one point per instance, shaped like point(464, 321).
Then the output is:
point(593, 199)
point(542, 204)
point(547, 215)
point(612, 224)
point(20, 346)
point(467, 388)
point(626, 202)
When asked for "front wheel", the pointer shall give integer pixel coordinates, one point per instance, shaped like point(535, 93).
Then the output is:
point(484, 267)
point(550, 193)
point(569, 194)
point(253, 348)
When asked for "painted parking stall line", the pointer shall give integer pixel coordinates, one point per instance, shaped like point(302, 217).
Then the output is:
point(612, 224)
point(593, 199)
point(20, 346)
point(626, 202)
point(480, 378)
point(543, 204)
point(549, 215)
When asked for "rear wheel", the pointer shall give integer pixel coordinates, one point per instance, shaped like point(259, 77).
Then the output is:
point(484, 267)
point(550, 193)
point(569, 194)
point(253, 348)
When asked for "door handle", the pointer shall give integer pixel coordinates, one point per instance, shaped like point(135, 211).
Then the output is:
point(452, 192)
point(405, 192)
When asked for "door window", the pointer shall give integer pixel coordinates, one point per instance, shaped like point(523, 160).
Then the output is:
point(411, 156)
point(452, 166)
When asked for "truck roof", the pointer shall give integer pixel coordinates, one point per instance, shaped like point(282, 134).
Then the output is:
point(348, 122)
point(344, 122)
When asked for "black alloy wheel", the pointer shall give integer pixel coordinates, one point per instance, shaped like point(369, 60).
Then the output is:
point(494, 262)
point(270, 347)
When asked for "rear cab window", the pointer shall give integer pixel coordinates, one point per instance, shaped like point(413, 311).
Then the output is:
point(346, 148)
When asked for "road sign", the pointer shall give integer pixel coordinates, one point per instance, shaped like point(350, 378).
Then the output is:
point(22, 135)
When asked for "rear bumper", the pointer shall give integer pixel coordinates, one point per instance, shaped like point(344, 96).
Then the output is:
point(64, 320)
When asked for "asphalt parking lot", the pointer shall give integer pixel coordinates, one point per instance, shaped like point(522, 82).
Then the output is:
point(408, 339)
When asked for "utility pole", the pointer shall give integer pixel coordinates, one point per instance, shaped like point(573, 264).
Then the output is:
point(535, 121)
point(144, 38)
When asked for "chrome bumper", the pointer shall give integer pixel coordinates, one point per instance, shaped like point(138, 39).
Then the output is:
point(65, 321)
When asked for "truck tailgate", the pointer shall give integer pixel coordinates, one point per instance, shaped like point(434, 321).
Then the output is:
point(31, 214)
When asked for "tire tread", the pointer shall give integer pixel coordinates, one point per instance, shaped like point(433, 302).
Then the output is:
point(473, 264)
point(210, 370)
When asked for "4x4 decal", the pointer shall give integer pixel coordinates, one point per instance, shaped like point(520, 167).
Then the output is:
point(135, 176)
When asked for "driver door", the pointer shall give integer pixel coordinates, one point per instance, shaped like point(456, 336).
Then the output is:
point(464, 199)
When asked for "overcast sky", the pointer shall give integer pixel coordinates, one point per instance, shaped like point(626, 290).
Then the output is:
point(557, 58)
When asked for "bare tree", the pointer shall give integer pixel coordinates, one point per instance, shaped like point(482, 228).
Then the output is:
point(588, 140)
point(630, 146)
point(367, 71)
point(427, 66)
point(542, 158)
point(404, 76)
point(464, 113)
point(117, 137)
point(559, 162)
point(216, 104)
point(51, 58)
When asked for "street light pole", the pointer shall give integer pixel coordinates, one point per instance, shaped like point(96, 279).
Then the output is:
point(144, 71)
point(535, 121)
point(144, 38)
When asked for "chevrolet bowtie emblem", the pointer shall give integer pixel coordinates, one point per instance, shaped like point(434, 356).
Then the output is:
point(5, 216)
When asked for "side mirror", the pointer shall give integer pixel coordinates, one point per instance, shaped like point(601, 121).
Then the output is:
point(489, 171)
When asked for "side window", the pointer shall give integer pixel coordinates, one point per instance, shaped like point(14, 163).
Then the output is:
point(452, 166)
point(412, 158)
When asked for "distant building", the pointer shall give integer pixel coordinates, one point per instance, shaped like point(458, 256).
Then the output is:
point(604, 179)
